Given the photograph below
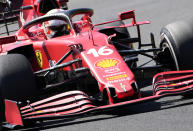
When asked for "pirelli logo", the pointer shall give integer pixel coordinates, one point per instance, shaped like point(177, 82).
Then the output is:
point(116, 77)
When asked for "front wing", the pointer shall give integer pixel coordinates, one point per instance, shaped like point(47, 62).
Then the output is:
point(77, 103)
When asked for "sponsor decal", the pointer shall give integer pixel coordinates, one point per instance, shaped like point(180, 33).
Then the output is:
point(181, 83)
point(39, 111)
point(118, 80)
point(21, 37)
point(118, 73)
point(39, 58)
point(116, 77)
point(107, 63)
point(123, 87)
point(22, 18)
point(112, 70)
point(52, 63)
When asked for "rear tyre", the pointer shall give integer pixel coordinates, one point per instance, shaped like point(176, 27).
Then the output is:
point(121, 33)
point(178, 39)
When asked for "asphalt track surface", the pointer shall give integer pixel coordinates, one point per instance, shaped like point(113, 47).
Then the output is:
point(171, 113)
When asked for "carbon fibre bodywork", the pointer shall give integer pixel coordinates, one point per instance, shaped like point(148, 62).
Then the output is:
point(89, 69)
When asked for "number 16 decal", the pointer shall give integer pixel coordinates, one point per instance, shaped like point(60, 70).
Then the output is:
point(102, 51)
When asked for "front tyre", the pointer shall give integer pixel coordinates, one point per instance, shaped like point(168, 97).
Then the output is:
point(17, 81)
point(16, 78)
point(178, 39)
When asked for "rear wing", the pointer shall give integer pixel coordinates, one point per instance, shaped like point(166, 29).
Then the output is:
point(9, 20)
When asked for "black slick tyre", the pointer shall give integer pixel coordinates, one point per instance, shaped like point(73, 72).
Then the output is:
point(178, 37)
point(17, 81)
point(121, 33)
point(16, 78)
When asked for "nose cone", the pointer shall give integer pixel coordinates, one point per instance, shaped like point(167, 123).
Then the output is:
point(124, 90)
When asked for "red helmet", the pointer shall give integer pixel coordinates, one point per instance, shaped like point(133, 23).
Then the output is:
point(54, 28)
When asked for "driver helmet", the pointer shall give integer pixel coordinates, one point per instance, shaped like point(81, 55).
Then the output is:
point(54, 28)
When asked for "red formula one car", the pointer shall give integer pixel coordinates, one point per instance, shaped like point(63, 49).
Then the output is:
point(86, 68)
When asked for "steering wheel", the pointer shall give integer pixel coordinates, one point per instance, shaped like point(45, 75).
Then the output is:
point(67, 17)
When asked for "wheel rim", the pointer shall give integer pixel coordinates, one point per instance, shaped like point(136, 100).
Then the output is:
point(170, 55)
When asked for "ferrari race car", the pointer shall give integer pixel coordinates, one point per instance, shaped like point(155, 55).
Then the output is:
point(89, 67)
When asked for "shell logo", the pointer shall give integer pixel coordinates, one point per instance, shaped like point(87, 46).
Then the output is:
point(106, 63)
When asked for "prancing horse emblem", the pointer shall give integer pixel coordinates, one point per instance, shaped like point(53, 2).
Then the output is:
point(39, 58)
